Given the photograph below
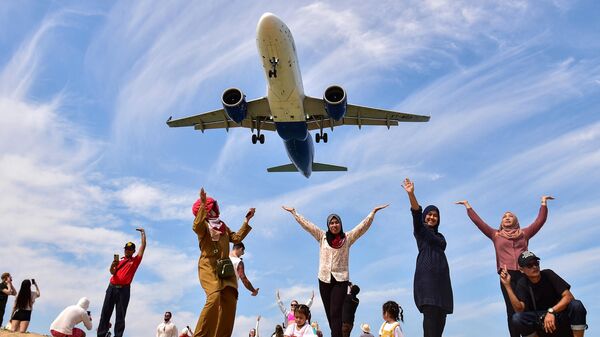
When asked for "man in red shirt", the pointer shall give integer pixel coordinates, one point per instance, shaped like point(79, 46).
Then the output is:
point(117, 293)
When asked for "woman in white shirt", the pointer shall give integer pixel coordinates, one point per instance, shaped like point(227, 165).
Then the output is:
point(21, 315)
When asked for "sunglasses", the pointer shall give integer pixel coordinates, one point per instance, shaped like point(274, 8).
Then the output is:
point(533, 264)
point(293, 305)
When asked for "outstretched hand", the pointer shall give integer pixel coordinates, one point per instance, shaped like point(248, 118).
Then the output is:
point(254, 293)
point(464, 203)
point(409, 186)
point(250, 213)
point(546, 198)
point(289, 209)
point(203, 195)
point(380, 207)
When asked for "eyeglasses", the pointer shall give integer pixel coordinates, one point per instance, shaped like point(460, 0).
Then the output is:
point(293, 304)
point(533, 264)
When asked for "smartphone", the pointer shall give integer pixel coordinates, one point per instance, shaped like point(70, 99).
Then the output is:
point(116, 258)
point(89, 313)
point(32, 281)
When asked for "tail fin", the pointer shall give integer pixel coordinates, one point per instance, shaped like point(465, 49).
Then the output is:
point(316, 167)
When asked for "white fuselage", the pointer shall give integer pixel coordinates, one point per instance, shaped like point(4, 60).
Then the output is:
point(285, 92)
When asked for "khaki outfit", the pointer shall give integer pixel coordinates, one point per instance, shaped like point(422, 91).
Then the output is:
point(218, 314)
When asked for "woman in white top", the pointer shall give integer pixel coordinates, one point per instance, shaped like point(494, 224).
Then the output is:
point(21, 315)
point(334, 248)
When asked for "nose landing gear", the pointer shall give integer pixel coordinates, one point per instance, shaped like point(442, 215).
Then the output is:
point(273, 72)
point(260, 138)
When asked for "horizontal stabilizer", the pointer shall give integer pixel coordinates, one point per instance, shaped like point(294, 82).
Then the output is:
point(316, 167)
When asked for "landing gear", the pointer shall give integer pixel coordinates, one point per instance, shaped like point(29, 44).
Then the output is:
point(258, 138)
point(273, 72)
point(321, 135)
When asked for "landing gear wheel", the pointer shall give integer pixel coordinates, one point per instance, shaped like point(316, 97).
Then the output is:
point(317, 137)
point(324, 137)
point(272, 73)
point(261, 139)
point(254, 139)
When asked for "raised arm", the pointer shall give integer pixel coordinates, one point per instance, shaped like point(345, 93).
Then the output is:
point(237, 237)
point(483, 227)
point(364, 225)
point(143, 245)
point(198, 226)
point(242, 275)
point(537, 224)
point(409, 187)
point(256, 327)
point(308, 226)
point(10, 289)
point(309, 303)
point(280, 304)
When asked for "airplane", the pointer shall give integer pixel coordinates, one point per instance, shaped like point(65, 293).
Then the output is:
point(286, 109)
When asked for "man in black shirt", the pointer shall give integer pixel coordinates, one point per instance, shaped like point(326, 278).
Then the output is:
point(543, 301)
point(6, 289)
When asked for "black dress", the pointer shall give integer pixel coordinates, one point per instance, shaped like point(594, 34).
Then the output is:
point(432, 275)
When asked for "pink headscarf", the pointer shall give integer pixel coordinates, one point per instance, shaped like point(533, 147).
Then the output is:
point(213, 220)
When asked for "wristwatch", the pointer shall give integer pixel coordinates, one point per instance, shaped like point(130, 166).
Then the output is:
point(551, 310)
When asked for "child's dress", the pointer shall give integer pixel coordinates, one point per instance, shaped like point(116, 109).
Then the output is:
point(391, 330)
point(304, 331)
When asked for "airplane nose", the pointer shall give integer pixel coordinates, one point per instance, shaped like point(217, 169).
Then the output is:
point(267, 21)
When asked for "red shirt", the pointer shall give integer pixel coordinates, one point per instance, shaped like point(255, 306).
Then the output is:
point(126, 270)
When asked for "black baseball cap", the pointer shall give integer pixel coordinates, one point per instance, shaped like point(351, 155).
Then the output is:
point(527, 257)
point(130, 245)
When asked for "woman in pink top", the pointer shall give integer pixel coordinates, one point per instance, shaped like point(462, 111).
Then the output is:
point(509, 242)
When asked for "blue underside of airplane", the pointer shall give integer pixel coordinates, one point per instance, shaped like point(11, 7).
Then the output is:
point(298, 144)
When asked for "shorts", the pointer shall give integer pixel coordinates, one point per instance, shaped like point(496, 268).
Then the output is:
point(21, 315)
point(76, 333)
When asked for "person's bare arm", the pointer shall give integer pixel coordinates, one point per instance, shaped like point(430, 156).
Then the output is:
point(409, 187)
point(550, 319)
point(143, 245)
point(517, 305)
point(244, 278)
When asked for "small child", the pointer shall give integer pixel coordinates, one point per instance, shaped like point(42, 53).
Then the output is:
point(349, 309)
point(301, 326)
point(392, 315)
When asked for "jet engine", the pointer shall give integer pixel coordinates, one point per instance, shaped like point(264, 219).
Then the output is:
point(335, 102)
point(234, 103)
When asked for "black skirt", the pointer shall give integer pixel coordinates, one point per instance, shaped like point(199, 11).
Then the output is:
point(21, 315)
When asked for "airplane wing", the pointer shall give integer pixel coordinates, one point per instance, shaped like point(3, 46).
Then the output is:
point(258, 110)
point(355, 115)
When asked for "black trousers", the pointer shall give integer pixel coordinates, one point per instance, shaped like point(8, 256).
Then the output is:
point(434, 321)
point(332, 295)
point(119, 297)
point(515, 276)
point(2, 308)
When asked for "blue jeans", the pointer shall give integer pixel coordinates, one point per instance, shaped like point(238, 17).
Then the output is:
point(527, 323)
point(116, 296)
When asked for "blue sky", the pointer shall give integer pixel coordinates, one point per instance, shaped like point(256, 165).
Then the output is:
point(512, 87)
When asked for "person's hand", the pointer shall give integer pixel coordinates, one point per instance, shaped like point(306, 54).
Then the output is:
point(546, 198)
point(505, 277)
point(255, 292)
point(250, 214)
point(289, 209)
point(258, 318)
point(549, 323)
point(380, 207)
point(409, 186)
point(277, 294)
point(313, 295)
point(141, 230)
point(203, 195)
point(464, 203)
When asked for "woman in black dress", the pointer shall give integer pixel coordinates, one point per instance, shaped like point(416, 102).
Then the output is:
point(432, 287)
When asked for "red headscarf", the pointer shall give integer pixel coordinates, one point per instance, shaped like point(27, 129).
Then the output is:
point(211, 205)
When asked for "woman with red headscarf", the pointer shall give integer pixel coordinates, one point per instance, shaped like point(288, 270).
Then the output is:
point(334, 251)
point(510, 240)
point(214, 236)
